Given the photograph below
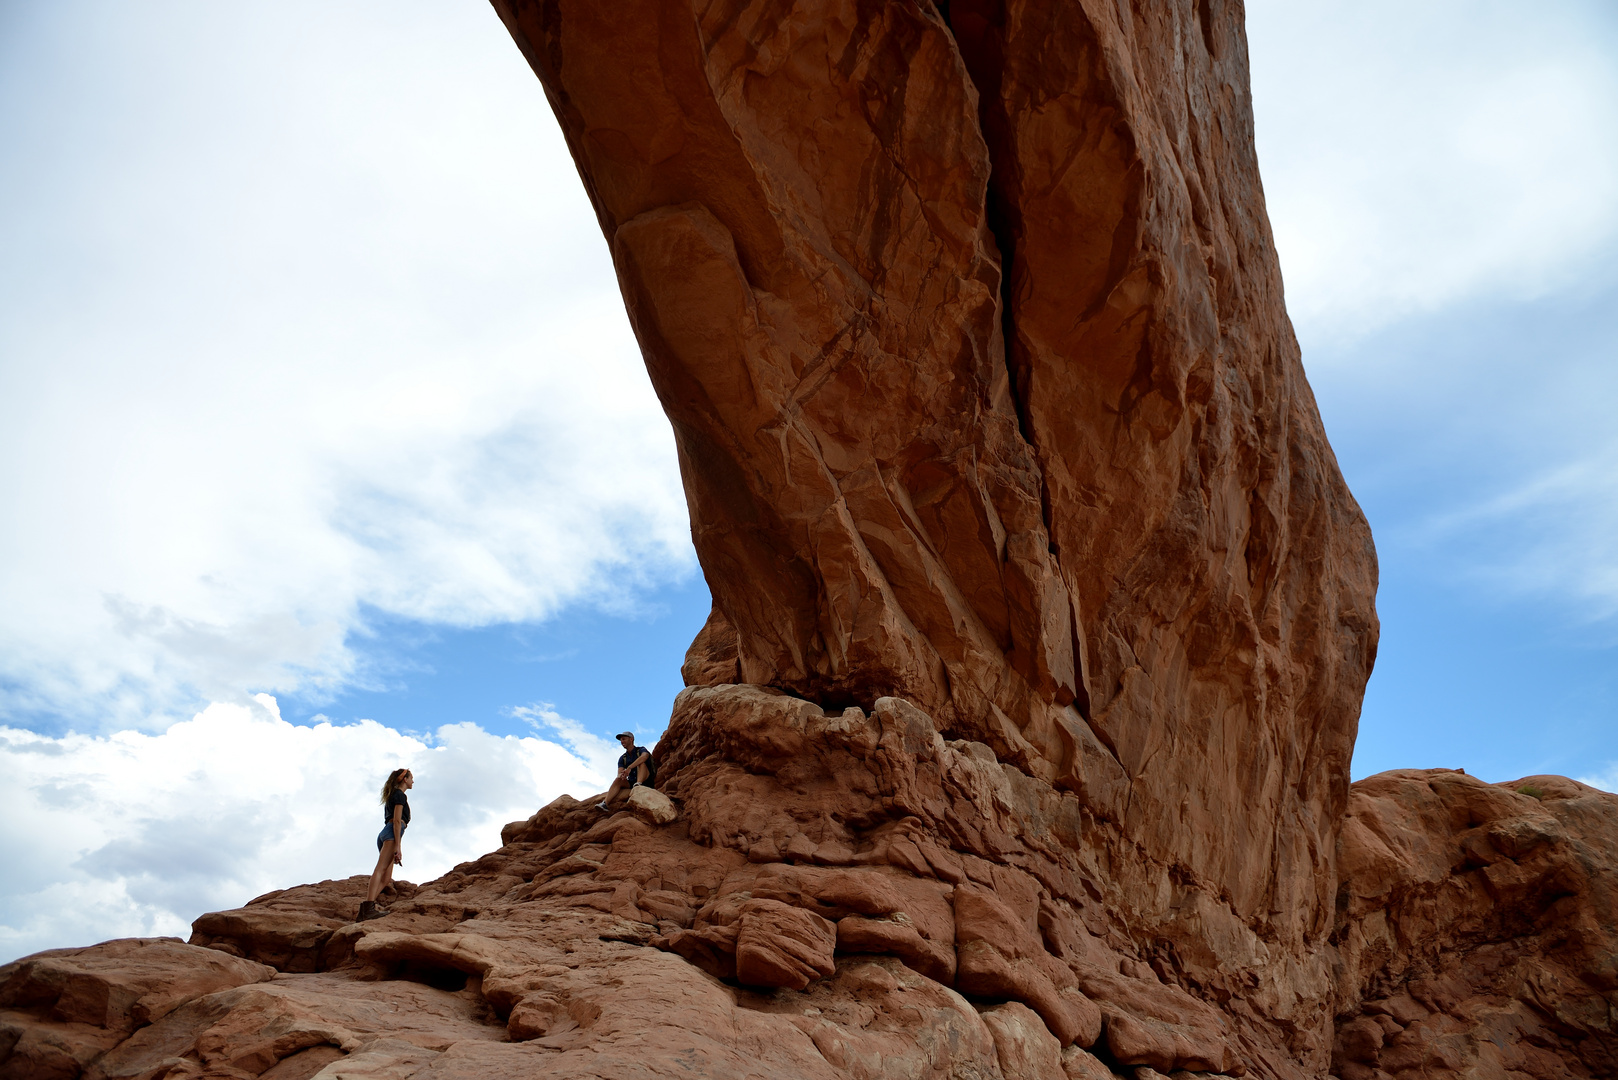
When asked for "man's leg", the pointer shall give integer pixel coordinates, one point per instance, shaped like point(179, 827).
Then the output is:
point(612, 793)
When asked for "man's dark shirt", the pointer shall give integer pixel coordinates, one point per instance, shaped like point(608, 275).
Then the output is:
point(633, 754)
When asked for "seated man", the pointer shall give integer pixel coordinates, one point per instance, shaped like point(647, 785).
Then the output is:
point(634, 768)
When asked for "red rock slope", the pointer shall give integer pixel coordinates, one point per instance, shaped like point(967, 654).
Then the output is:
point(853, 895)
point(1017, 743)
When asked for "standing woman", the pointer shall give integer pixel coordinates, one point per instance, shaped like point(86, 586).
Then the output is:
point(390, 841)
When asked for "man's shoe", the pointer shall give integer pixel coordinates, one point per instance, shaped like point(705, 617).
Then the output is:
point(603, 806)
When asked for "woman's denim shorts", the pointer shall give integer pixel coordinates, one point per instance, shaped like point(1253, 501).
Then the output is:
point(384, 836)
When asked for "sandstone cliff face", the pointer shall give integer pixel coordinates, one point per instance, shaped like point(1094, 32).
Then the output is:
point(1477, 928)
point(971, 332)
point(852, 895)
point(1017, 742)
point(970, 328)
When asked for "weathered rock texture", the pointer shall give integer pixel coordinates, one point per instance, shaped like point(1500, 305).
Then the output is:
point(970, 329)
point(852, 895)
point(1477, 928)
point(1017, 742)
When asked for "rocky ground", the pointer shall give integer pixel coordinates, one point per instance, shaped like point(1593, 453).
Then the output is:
point(853, 895)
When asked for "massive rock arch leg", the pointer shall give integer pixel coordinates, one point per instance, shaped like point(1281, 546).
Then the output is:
point(971, 331)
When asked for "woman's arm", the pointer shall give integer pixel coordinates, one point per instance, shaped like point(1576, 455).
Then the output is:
point(398, 833)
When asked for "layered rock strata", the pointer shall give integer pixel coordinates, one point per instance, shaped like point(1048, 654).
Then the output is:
point(1477, 930)
point(853, 895)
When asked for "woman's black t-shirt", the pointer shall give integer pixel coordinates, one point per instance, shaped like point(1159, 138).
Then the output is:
point(396, 799)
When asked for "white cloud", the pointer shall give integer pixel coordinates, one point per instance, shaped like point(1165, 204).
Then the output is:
point(601, 754)
point(1447, 172)
point(137, 834)
point(302, 311)
point(1415, 155)
point(1606, 780)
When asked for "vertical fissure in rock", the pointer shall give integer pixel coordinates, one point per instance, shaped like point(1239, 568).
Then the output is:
point(1001, 215)
point(976, 26)
point(1205, 22)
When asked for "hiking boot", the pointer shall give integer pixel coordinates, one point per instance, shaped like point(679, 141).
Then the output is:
point(370, 909)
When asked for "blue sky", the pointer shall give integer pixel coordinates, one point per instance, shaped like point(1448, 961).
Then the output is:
point(325, 445)
point(1480, 442)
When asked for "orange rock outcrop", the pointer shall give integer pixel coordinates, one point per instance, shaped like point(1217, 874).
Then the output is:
point(1017, 742)
point(853, 895)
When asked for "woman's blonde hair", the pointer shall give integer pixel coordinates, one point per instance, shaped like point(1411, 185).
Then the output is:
point(392, 782)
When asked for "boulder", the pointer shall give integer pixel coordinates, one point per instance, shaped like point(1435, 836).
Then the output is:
point(778, 945)
point(1477, 927)
point(120, 985)
point(999, 955)
point(1027, 1051)
point(651, 806)
point(896, 937)
point(1080, 1064)
point(63, 1009)
point(291, 929)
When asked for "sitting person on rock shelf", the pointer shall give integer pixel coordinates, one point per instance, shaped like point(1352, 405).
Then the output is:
point(635, 767)
point(390, 841)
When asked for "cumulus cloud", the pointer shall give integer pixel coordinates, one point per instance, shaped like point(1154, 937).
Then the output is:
point(1418, 154)
point(601, 753)
point(137, 834)
point(303, 313)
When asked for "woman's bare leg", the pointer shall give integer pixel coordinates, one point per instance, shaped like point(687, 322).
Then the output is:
point(387, 875)
point(383, 871)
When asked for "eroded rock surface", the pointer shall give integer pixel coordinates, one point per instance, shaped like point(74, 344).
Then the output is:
point(1017, 742)
point(1478, 928)
point(847, 894)
point(840, 895)
point(970, 329)
point(62, 1009)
